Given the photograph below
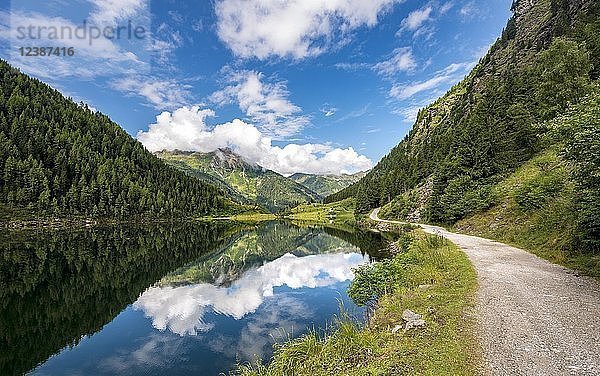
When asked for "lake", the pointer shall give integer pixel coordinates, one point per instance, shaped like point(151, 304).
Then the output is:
point(177, 299)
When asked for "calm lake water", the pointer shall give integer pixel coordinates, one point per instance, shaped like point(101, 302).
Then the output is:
point(184, 299)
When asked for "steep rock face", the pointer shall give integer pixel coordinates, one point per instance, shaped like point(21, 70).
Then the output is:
point(489, 124)
point(226, 159)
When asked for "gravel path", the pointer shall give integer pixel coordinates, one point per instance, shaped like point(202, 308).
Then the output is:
point(534, 317)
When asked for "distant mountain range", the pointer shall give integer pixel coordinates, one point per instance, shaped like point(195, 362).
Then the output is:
point(95, 169)
point(252, 184)
point(326, 185)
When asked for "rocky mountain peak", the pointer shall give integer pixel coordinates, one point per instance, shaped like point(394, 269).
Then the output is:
point(227, 158)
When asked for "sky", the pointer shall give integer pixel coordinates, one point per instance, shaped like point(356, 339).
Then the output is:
point(313, 86)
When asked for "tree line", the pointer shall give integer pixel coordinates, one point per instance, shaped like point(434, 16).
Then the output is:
point(58, 286)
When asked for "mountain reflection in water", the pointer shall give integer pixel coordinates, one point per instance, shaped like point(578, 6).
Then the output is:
point(178, 299)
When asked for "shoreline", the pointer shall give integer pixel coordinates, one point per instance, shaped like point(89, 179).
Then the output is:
point(77, 223)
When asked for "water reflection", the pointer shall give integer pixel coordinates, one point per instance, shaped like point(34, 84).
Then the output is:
point(56, 287)
point(182, 309)
point(166, 299)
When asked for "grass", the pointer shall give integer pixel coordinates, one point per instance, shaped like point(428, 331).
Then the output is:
point(340, 212)
point(254, 217)
point(446, 346)
point(241, 182)
point(535, 211)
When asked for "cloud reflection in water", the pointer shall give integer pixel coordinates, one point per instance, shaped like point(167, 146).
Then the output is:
point(182, 309)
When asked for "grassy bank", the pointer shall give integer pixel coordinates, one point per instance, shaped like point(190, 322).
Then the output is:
point(253, 217)
point(534, 210)
point(431, 277)
point(340, 212)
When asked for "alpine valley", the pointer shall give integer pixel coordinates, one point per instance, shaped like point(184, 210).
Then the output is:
point(252, 184)
point(472, 247)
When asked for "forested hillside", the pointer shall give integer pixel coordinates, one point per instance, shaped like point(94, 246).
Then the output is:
point(248, 183)
point(58, 158)
point(551, 204)
point(499, 117)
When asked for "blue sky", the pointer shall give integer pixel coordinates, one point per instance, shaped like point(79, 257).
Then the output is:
point(319, 86)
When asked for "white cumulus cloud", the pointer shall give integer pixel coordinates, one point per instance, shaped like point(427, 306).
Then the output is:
point(122, 63)
point(186, 129)
point(160, 93)
point(469, 10)
point(266, 104)
point(416, 19)
point(328, 110)
point(452, 73)
point(406, 91)
point(100, 57)
point(420, 22)
point(445, 8)
point(111, 11)
point(291, 28)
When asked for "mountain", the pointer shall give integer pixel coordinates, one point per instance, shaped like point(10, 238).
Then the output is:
point(252, 249)
point(58, 158)
point(326, 185)
point(249, 183)
point(460, 156)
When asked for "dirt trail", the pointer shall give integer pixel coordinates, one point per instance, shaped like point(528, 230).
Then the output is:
point(534, 317)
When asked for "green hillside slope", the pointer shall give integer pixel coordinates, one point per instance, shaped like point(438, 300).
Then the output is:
point(488, 124)
point(326, 185)
point(250, 183)
point(550, 205)
point(464, 147)
point(58, 158)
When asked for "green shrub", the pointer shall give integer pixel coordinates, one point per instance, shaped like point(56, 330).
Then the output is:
point(377, 279)
point(461, 197)
point(373, 281)
point(580, 130)
point(535, 193)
